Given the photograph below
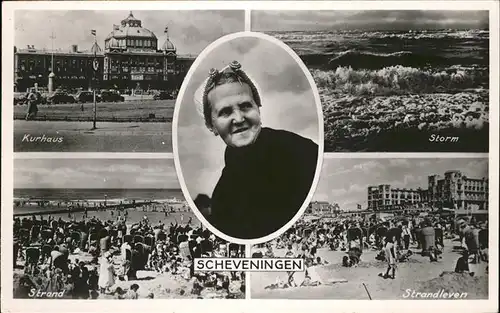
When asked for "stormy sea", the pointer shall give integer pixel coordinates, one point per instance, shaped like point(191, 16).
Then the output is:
point(400, 91)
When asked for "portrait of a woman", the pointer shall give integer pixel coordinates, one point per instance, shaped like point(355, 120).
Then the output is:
point(248, 137)
point(267, 172)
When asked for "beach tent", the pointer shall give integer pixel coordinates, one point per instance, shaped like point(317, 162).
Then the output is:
point(428, 238)
point(105, 244)
point(184, 249)
point(84, 240)
point(471, 235)
point(483, 238)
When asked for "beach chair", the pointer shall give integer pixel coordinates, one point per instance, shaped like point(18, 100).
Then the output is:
point(138, 239)
point(113, 233)
point(128, 254)
point(34, 232)
point(76, 237)
point(128, 239)
point(32, 258)
point(24, 235)
point(103, 233)
point(46, 250)
point(46, 234)
point(149, 240)
point(139, 246)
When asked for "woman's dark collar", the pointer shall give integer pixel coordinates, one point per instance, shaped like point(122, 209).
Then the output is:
point(234, 154)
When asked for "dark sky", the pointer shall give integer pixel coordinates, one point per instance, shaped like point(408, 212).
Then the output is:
point(367, 20)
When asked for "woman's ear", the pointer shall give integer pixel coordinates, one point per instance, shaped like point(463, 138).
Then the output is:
point(213, 130)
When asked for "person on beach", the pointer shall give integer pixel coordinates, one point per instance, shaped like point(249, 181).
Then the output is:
point(106, 273)
point(267, 172)
point(406, 237)
point(391, 257)
point(132, 293)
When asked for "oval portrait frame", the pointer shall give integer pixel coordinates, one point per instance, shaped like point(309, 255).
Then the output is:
point(175, 144)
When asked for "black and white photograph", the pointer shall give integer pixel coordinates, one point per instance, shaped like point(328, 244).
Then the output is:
point(396, 229)
point(394, 81)
point(240, 156)
point(111, 229)
point(105, 80)
point(248, 130)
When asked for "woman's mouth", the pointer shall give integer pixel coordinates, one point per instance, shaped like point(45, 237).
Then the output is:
point(240, 130)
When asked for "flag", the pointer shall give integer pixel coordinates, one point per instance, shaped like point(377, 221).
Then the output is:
point(93, 32)
point(166, 29)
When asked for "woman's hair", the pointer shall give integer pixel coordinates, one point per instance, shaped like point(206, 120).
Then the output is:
point(231, 74)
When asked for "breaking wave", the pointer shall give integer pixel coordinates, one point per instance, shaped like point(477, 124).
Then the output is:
point(400, 80)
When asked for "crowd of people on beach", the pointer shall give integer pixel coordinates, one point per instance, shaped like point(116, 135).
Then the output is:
point(396, 239)
point(91, 258)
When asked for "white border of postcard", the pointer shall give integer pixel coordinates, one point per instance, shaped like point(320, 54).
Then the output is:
point(18, 305)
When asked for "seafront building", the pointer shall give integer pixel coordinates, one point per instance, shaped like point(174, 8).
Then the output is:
point(454, 191)
point(385, 196)
point(131, 59)
point(323, 208)
point(459, 192)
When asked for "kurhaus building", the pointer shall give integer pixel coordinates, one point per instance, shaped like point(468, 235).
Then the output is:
point(131, 59)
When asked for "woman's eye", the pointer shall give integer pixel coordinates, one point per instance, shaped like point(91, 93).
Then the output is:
point(225, 112)
point(245, 106)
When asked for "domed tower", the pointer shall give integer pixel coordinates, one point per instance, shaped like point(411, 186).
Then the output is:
point(132, 55)
point(170, 56)
point(130, 35)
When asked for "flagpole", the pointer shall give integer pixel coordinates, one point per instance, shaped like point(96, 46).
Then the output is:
point(94, 126)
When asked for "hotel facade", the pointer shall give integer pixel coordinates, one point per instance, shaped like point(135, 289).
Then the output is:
point(453, 190)
point(131, 59)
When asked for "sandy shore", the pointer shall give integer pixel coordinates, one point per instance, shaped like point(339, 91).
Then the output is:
point(418, 274)
point(163, 286)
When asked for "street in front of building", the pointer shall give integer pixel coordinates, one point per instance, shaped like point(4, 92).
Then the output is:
point(62, 136)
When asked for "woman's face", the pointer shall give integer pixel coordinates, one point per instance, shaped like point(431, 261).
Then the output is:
point(235, 115)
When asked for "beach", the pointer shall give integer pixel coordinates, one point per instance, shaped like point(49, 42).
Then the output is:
point(146, 213)
point(417, 274)
point(162, 285)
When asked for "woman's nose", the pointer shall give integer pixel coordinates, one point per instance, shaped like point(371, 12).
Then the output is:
point(238, 117)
